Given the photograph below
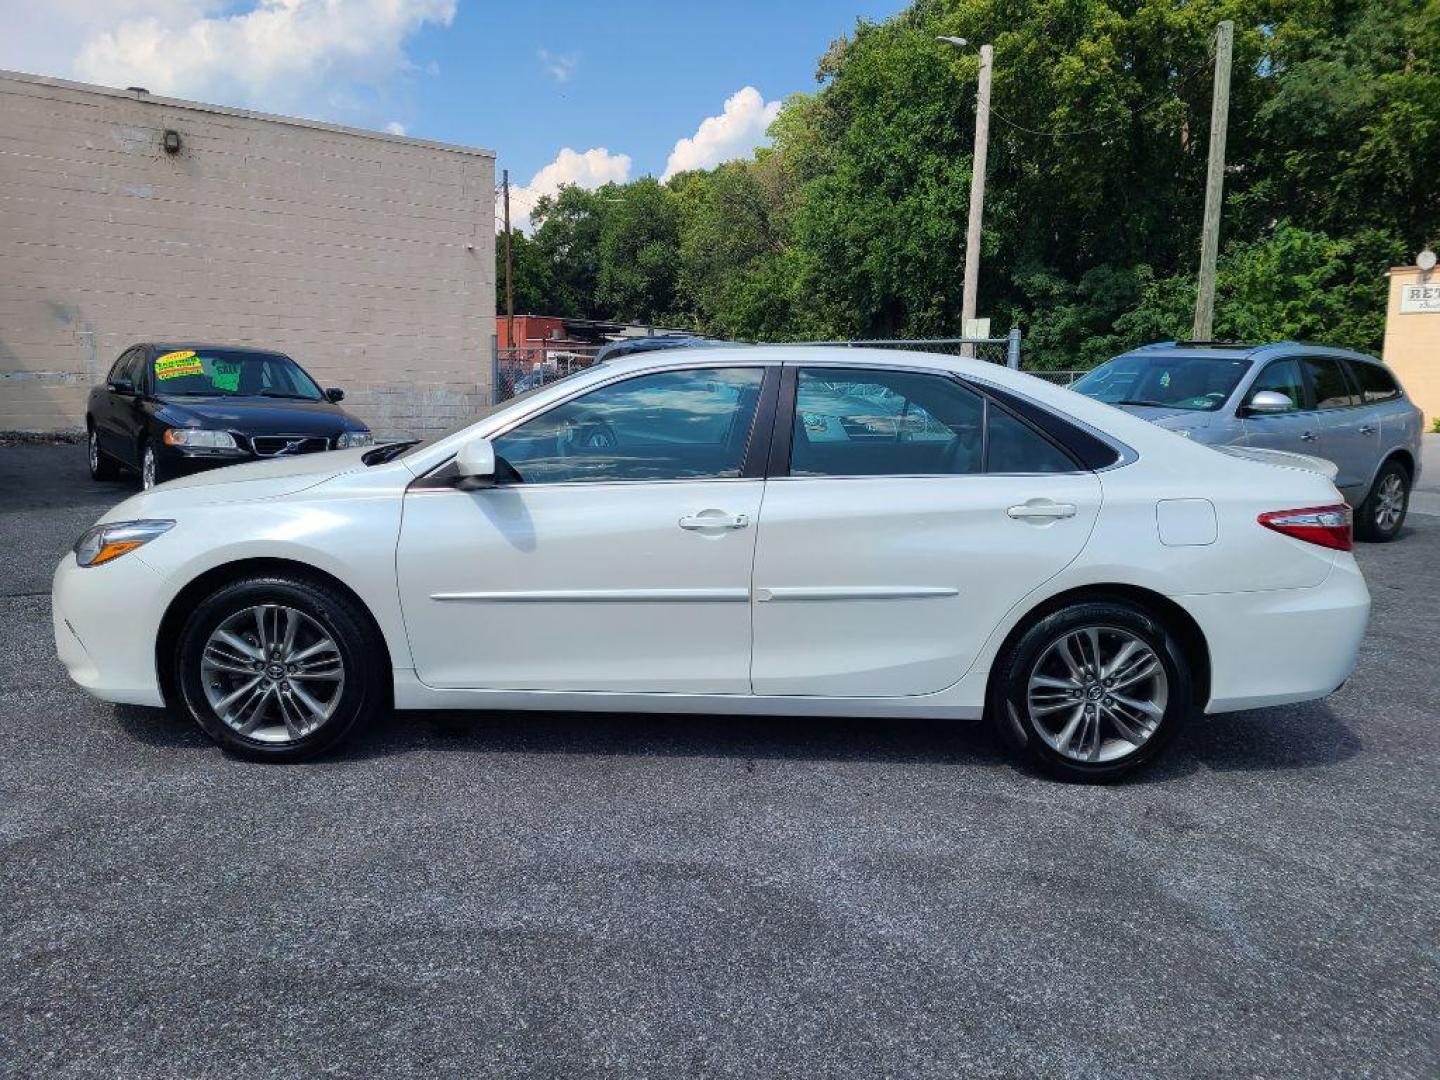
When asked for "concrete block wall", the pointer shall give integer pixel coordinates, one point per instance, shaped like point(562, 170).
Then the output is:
point(368, 257)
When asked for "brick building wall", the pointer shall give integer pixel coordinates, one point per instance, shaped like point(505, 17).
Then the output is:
point(366, 256)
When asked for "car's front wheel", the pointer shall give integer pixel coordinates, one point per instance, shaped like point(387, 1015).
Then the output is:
point(150, 469)
point(1091, 692)
point(279, 669)
point(1380, 516)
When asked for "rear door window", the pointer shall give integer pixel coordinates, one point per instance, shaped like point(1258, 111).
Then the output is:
point(858, 422)
point(1332, 387)
point(864, 422)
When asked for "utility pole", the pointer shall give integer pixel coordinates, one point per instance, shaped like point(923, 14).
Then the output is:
point(509, 270)
point(1214, 183)
point(977, 195)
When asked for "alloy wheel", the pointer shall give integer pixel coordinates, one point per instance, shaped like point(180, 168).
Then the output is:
point(1097, 693)
point(94, 442)
point(1390, 503)
point(272, 673)
point(147, 469)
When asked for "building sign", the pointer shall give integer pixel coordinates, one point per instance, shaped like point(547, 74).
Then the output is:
point(1418, 298)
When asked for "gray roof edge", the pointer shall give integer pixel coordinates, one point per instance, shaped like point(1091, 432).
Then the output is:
point(248, 114)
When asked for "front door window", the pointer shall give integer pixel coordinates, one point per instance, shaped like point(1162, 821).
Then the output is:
point(672, 425)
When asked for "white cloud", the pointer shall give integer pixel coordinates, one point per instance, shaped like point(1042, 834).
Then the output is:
point(735, 133)
point(328, 58)
point(394, 127)
point(590, 170)
point(559, 66)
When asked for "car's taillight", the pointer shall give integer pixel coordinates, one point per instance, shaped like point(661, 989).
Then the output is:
point(1328, 526)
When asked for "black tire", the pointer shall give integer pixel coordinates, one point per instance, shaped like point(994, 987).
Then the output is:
point(1009, 706)
point(102, 467)
point(151, 470)
point(361, 653)
point(1375, 520)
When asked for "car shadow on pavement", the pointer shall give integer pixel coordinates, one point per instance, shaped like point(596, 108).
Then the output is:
point(1299, 737)
point(1306, 736)
point(160, 728)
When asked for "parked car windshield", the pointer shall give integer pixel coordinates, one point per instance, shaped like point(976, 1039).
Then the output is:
point(231, 373)
point(1165, 380)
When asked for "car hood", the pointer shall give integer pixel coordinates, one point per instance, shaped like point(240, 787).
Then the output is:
point(269, 479)
point(1167, 417)
point(259, 415)
point(1282, 458)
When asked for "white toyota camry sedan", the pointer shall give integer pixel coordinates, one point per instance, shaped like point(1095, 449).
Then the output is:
point(770, 530)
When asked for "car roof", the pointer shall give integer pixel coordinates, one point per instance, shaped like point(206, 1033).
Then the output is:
point(257, 350)
point(1109, 423)
point(1242, 350)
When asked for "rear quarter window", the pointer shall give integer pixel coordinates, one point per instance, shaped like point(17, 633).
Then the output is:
point(1375, 382)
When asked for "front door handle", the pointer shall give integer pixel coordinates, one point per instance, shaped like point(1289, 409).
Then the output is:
point(714, 519)
point(1048, 511)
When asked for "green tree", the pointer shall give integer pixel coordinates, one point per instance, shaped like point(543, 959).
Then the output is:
point(853, 224)
point(533, 274)
point(639, 252)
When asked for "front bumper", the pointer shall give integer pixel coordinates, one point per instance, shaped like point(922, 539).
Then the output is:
point(105, 620)
point(1285, 645)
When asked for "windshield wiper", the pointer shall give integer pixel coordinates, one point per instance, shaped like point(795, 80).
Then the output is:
point(388, 452)
point(270, 391)
point(1145, 401)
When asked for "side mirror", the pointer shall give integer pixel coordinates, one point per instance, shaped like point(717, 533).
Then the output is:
point(335, 394)
point(1269, 401)
point(475, 464)
point(122, 386)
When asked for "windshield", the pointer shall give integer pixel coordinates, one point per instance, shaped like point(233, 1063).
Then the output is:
point(1165, 380)
point(415, 447)
point(231, 373)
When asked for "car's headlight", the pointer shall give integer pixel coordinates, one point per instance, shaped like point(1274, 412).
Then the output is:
point(194, 437)
point(109, 541)
point(346, 439)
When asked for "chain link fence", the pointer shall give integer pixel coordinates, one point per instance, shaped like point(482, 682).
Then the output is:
point(518, 370)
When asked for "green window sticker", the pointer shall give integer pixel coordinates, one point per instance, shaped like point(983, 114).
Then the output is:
point(225, 374)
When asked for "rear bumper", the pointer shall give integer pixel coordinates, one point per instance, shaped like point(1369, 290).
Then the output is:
point(1283, 646)
point(105, 619)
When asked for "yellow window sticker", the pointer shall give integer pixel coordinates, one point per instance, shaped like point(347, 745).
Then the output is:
point(174, 364)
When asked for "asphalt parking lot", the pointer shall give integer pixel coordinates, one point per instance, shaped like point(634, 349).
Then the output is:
point(564, 895)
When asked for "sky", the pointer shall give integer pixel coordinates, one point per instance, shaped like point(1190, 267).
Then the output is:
point(565, 91)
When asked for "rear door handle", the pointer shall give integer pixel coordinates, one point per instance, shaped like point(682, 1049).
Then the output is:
point(1307, 436)
point(1050, 511)
point(1367, 429)
point(714, 519)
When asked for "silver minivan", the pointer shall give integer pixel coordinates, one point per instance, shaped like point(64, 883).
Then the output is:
point(1343, 406)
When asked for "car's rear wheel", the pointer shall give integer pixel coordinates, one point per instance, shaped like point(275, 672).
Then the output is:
point(1383, 512)
point(101, 466)
point(1091, 692)
point(279, 669)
